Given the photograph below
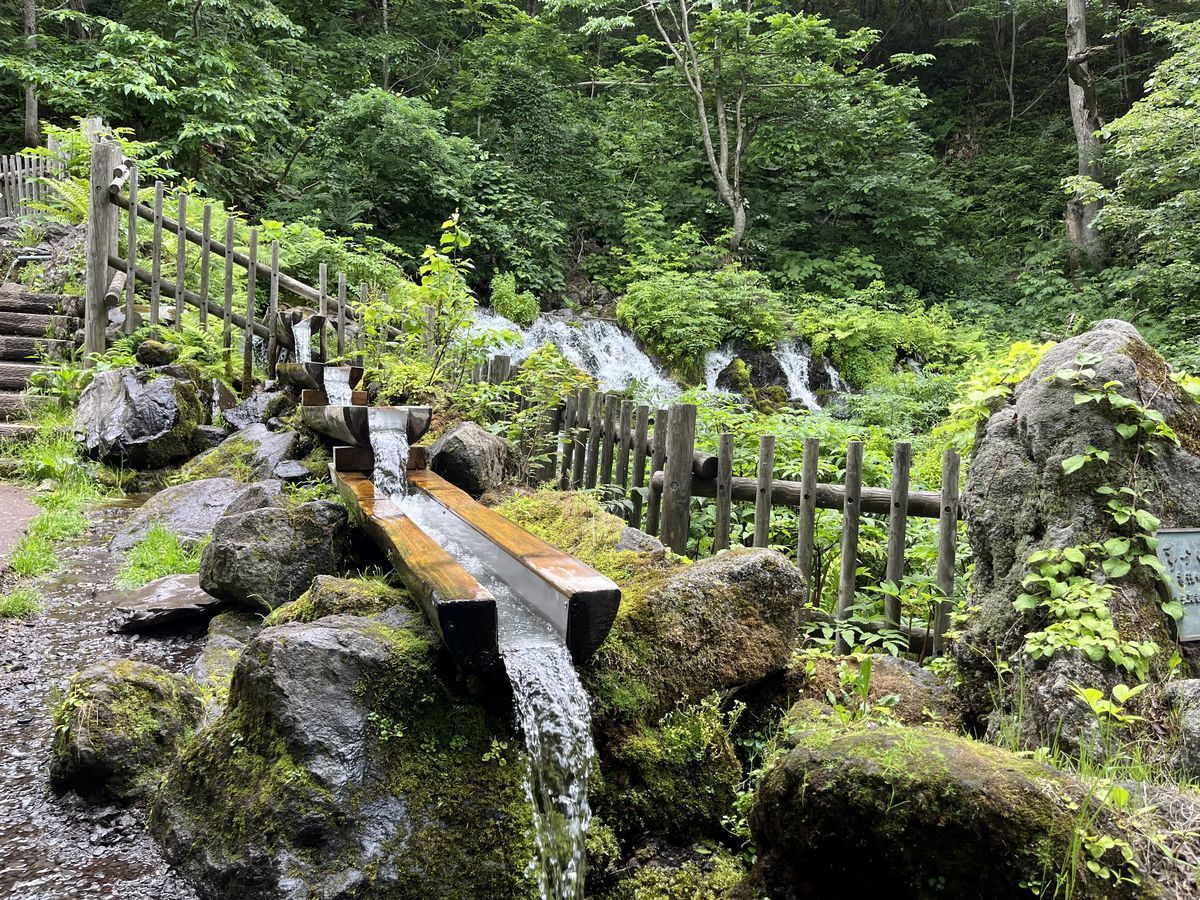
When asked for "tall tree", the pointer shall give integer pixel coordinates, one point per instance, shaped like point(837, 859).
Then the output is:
point(1086, 120)
point(31, 98)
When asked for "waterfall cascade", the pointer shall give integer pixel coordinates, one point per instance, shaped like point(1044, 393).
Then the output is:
point(337, 385)
point(611, 356)
point(551, 704)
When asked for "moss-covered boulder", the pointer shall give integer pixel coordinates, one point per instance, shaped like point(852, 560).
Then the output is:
point(657, 871)
point(247, 455)
point(849, 809)
point(229, 633)
point(119, 723)
point(139, 417)
point(330, 596)
point(267, 557)
point(1023, 496)
point(350, 762)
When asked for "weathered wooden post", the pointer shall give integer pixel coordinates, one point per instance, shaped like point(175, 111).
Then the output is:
point(850, 523)
point(323, 309)
point(582, 423)
point(897, 528)
point(101, 243)
point(181, 250)
point(248, 337)
point(724, 495)
point(131, 251)
point(205, 262)
point(568, 446)
point(595, 433)
point(807, 515)
point(762, 495)
point(273, 312)
point(947, 545)
point(624, 440)
point(227, 311)
point(677, 477)
point(658, 456)
point(156, 237)
point(608, 434)
point(641, 432)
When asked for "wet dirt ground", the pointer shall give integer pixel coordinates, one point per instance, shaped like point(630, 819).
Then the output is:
point(57, 847)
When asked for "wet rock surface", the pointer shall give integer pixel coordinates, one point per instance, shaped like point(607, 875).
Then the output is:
point(258, 408)
point(191, 510)
point(166, 602)
point(247, 455)
point(139, 417)
point(57, 847)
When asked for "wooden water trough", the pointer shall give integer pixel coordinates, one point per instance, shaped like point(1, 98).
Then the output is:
point(576, 600)
point(311, 375)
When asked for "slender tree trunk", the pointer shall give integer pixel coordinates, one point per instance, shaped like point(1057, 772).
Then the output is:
point(1085, 118)
point(31, 100)
point(387, 68)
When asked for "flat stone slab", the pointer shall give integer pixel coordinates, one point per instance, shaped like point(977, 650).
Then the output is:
point(164, 603)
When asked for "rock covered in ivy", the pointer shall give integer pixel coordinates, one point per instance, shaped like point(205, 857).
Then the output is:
point(1034, 486)
point(347, 765)
point(138, 417)
point(470, 458)
point(120, 722)
point(247, 455)
point(191, 510)
point(847, 809)
point(264, 558)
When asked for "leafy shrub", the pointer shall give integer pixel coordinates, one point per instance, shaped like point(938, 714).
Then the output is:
point(521, 308)
point(682, 315)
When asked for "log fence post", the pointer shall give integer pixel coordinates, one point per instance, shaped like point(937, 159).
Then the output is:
point(102, 222)
point(762, 500)
point(897, 528)
point(947, 545)
point(248, 338)
point(131, 240)
point(658, 457)
point(850, 526)
point(641, 431)
point(724, 498)
point(806, 516)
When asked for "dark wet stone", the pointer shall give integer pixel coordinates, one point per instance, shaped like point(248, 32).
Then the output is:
point(166, 602)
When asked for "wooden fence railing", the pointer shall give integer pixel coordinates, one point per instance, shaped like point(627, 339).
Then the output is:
point(598, 439)
point(207, 286)
point(23, 181)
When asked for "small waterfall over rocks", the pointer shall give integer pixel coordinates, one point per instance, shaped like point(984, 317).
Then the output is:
point(551, 705)
point(302, 335)
point(714, 364)
point(796, 361)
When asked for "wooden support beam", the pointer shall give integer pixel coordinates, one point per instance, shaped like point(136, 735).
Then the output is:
point(851, 518)
point(897, 527)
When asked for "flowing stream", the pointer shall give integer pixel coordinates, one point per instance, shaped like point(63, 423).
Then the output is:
point(302, 335)
point(551, 704)
point(796, 359)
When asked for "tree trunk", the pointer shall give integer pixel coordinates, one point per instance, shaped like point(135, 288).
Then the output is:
point(1085, 118)
point(31, 101)
point(739, 225)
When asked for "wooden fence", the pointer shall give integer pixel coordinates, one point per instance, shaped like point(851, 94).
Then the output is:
point(598, 439)
point(117, 201)
point(24, 180)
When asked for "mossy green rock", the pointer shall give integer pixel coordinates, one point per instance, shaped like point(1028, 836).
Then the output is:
point(247, 455)
point(330, 596)
point(119, 723)
point(922, 813)
point(349, 763)
point(139, 418)
point(704, 872)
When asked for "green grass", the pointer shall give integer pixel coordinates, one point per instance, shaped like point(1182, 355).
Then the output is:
point(34, 555)
point(159, 553)
point(21, 601)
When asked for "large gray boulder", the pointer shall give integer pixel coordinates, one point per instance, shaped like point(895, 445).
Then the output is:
point(166, 602)
point(1184, 696)
point(246, 455)
point(139, 417)
point(191, 510)
point(119, 722)
point(470, 458)
point(1020, 500)
point(345, 766)
point(264, 558)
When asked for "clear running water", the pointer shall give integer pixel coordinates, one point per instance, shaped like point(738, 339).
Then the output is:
point(302, 335)
point(551, 704)
point(389, 442)
point(337, 385)
point(714, 364)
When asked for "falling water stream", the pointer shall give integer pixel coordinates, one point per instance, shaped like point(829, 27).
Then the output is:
point(551, 704)
point(337, 385)
point(302, 336)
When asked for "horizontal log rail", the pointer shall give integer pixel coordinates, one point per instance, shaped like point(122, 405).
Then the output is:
point(168, 288)
point(874, 501)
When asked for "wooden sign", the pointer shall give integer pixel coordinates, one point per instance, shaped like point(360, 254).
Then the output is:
point(1179, 551)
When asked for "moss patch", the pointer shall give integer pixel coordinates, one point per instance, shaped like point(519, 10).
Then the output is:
point(705, 872)
point(233, 458)
point(331, 596)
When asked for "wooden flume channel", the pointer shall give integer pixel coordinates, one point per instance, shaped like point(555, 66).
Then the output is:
point(577, 600)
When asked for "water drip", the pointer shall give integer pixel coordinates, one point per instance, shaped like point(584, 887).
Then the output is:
point(337, 385)
point(388, 430)
point(551, 704)
point(302, 335)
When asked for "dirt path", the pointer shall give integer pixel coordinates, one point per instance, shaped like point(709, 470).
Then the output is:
point(54, 848)
point(16, 512)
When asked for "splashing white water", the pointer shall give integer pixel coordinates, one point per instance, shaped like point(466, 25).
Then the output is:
point(714, 364)
point(796, 359)
point(388, 431)
point(551, 704)
point(598, 347)
point(337, 385)
point(302, 335)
